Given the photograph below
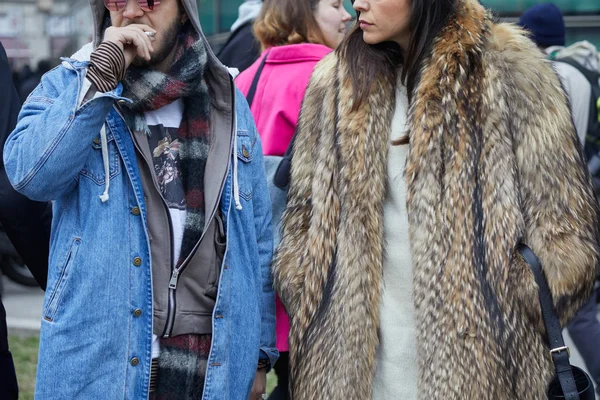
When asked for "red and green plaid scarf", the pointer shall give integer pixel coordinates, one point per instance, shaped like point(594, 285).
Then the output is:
point(150, 90)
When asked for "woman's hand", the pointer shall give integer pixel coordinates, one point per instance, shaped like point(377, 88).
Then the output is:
point(260, 385)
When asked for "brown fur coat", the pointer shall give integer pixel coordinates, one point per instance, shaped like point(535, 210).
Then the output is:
point(494, 160)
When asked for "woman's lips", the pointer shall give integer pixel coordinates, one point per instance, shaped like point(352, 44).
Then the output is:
point(364, 24)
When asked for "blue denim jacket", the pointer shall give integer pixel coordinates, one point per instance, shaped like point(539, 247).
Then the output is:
point(92, 345)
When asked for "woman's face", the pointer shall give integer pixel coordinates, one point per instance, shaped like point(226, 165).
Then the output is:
point(385, 20)
point(331, 16)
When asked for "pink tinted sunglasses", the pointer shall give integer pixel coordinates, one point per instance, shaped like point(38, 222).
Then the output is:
point(118, 5)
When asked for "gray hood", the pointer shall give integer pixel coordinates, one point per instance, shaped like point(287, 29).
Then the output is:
point(248, 11)
point(218, 77)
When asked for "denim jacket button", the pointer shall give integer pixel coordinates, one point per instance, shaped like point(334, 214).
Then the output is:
point(96, 141)
point(137, 261)
point(137, 313)
point(121, 102)
point(135, 361)
point(135, 211)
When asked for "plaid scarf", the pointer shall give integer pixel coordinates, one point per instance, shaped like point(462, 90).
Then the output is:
point(182, 367)
point(150, 90)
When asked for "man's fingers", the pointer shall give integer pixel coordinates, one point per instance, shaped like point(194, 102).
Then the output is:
point(133, 40)
point(147, 42)
point(140, 43)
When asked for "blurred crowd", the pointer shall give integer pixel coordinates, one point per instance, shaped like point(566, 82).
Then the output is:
point(26, 79)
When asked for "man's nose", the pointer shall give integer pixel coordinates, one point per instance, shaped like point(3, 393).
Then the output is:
point(132, 10)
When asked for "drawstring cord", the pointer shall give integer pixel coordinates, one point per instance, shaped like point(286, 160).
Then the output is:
point(104, 196)
point(236, 185)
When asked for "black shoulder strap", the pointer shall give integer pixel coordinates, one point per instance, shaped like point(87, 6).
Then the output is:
point(282, 175)
point(591, 76)
point(252, 91)
point(558, 350)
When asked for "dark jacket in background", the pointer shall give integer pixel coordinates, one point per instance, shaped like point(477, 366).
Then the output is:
point(9, 107)
point(241, 49)
point(26, 222)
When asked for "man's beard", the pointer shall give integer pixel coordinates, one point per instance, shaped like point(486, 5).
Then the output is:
point(169, 44)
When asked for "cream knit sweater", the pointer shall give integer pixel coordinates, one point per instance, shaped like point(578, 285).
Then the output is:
point(396, 371)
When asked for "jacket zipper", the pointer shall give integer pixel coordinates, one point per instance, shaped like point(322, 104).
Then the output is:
point(177, 271)
point(172, 300)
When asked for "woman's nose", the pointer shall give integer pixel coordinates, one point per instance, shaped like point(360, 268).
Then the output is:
point(346, 16)
point(360, 5)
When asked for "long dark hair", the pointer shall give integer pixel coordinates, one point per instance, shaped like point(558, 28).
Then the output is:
point(369, 62)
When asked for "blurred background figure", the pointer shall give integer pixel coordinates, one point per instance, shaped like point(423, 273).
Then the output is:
point(294, 35)
point(32, 79)
point(242, 48)
point(26, 222)
point(9, 107)
point(577, 67)
point(20, 75)
point(547, 28)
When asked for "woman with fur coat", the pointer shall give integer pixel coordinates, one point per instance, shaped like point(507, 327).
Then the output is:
point(430, 145)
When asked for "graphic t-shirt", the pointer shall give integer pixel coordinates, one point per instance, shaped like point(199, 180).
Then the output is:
point(164, 146)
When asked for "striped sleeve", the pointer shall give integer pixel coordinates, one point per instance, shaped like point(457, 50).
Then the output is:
point(107, 66)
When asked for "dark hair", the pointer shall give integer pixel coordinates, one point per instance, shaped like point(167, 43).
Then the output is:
point(368, 62)
point(282, 22)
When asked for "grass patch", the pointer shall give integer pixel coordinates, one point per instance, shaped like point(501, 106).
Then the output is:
point(25, 355)
point(271, 381)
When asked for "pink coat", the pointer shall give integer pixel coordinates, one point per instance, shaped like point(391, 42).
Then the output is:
point(276, 108)
point(280, 91)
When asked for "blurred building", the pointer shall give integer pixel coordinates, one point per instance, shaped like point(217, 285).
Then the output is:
point(33, 30)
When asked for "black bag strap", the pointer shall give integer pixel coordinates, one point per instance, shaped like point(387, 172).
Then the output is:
point(559, 352)
point(590, 75)
point(252, 91)
point(282, 175)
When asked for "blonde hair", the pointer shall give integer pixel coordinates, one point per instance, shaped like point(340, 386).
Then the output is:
point(284, 22)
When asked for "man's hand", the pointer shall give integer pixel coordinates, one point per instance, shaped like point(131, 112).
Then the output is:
point(260, 385)
point(132, 40)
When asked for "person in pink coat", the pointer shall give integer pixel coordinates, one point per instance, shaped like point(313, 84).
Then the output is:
point(295, 35)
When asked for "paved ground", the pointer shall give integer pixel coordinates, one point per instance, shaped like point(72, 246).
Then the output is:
point(24, 310)
point(23, 307)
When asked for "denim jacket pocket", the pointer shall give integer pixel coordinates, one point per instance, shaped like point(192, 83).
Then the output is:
point(94, 166)
point(59, 287)
point(245, 148)
point(220, 245)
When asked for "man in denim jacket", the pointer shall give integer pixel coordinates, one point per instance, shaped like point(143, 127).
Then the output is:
point(159, 282)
